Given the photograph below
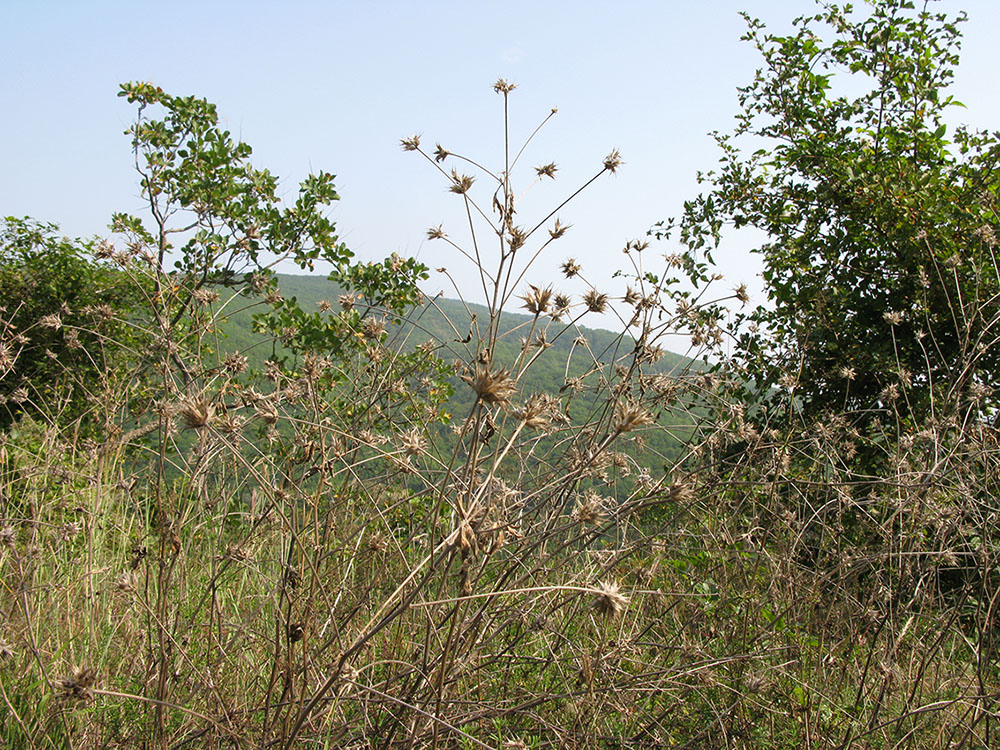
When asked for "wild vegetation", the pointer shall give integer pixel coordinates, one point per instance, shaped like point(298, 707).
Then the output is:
point(305, 536)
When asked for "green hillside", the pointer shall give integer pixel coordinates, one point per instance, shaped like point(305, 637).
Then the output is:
point(575, 355)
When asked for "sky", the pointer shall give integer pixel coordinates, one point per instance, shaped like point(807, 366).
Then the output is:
point(335, 85)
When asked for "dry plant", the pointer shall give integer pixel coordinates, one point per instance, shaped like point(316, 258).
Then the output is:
point(312, 553)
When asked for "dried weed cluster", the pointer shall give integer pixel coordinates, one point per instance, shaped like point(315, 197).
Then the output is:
point(314, 552)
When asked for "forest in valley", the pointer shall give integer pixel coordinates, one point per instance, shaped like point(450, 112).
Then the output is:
point(249, 509)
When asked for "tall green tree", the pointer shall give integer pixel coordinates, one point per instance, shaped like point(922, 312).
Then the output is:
point(878, 219)
point(215, 220)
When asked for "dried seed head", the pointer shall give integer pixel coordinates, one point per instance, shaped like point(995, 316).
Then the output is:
point(494, 387)
point(235, 363)
point(589, 509)
point(570, 268)
point(460, 183)
point(267, 412)
point(77, 685)
point(547, 170)
point(413, 442)
point(630, 416)
point(196, 411)
point(595, 301)
point(537, 300)
point(503, 86)
point(205, 296)
point(372, 328)
point(680, 492)
point(516, 238)
point(558, 230)
point(436, 233)
point(127, 582)
point(440, 153)
point(560, 304)
point(539, 411)
point(610, 600)
point(612, 161)
point(410, 144)
point(52, 321)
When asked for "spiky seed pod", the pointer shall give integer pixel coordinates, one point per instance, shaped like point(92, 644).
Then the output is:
point(372, 328)
point(595, 301)
point(491, 387)
point(440, 153)
point(609, 600)
point(547, 170)
point(589, 509)
point(460, 183)
point(538, 411)
point(410, 144)
point(516, 238)
point(503, 86)
point(52, 321)
point(630, 416)
point(570, 268)
point(436, 233)
point(413, 442)
point(558, 230)
point(612, 161)
point(537, 300)
point(76, 686)
point(196, 412)
point(680, 492)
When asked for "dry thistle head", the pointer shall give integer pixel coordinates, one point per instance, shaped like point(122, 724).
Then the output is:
point(612, 161)
point(630, 416)
point(235, 363)
point(558, 230)
point(537, 300)
point(589, 509)
point(413, 442)
point(494, 387)
point(503, 86)
point(196, 412)
point(547, 170)
point(372, 328)
point(595, 301)
point(539, 411)
point(516, 238)
point(680, 492)
point(610, 600)
point(570, 268)
point(77, 685)
point(560, 306)
point(460, 183)
point(440, 153)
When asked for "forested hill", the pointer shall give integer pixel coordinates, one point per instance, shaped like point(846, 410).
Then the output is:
point(447, 322)
point(575, 353)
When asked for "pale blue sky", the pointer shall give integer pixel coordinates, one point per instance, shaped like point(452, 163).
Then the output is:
point(335, 85)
